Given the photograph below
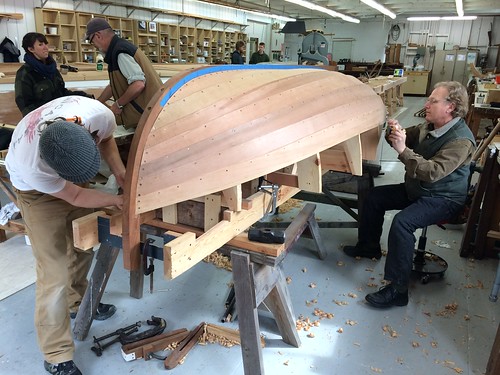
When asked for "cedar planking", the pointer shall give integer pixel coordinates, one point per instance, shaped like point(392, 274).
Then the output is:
point(217, 127)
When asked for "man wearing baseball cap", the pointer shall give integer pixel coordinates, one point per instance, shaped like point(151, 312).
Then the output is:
point(55, 150)
point(132, 78)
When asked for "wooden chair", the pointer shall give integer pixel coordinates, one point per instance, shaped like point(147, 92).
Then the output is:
point(471, 90)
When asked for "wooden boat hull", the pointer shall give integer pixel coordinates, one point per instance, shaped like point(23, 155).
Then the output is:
point(223, 127)
point(215, 128)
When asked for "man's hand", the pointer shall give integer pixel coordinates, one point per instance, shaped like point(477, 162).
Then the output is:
point(397, 136)
point(116, 109)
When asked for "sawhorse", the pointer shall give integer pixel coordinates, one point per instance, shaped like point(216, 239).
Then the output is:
point(260, 279)
point(257, 278)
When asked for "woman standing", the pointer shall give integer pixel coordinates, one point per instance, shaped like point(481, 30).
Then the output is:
point(38, 81)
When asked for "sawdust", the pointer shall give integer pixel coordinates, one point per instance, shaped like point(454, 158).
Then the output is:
point(450, 309)
point(392, 332)
point(290, 205)
point(219, 260)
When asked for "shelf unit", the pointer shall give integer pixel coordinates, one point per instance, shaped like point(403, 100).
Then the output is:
point(169, 43)
point(147, 41)
point(88, 52)
point(203, 42)
point(60, 30)
point(161, 42)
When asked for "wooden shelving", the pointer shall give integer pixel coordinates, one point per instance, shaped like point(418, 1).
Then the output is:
point(161, 42)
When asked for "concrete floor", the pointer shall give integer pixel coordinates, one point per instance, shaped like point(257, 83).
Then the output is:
point(448, 326)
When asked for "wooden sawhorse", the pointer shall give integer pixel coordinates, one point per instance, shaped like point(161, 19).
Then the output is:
point(258, 279)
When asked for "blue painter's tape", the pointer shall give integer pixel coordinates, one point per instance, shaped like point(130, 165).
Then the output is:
point(222, 68)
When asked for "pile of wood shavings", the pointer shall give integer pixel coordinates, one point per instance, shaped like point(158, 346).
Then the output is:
point(392, 332)
point(449, 310)
point(219, 260)
point(210, 338)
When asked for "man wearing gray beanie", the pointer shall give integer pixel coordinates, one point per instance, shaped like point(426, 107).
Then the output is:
point(55, 150)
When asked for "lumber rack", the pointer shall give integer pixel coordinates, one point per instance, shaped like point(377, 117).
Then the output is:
point(257, 278)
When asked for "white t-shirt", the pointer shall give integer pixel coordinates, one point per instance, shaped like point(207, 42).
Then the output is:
point(26, 169)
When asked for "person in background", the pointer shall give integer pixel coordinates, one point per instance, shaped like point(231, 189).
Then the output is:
point(436, 156)
point(237, 55)
point(133, 81)
point(54, 152)
point(38, 81)
point(260, 56)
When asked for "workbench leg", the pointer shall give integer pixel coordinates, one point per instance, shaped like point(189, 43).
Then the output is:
point(105, 260)
point(280, 304)
point(3, 236)
point(137, 284)
point(314, 229)
point(246, 308)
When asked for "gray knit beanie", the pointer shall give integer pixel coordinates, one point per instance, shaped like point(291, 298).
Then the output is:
point(69, 149)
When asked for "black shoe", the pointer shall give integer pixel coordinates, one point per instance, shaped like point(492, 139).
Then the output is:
point(104, 311)
point(363, 252)
point(387, 296)
point(63, 368)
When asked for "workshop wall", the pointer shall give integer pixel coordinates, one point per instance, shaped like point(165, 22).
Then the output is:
point(259, 27)
point(363, 42)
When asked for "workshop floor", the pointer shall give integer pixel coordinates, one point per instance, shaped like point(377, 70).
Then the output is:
point(448, 326)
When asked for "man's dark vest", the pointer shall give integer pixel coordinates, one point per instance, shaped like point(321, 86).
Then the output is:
point(455, 185)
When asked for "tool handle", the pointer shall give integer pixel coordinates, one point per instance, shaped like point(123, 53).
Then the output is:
point(184, 347)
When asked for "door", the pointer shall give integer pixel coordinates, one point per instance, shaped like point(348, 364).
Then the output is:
point(444, 64)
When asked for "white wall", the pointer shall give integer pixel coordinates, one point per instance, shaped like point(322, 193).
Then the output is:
point(465, 34)
point(369, 38)
point(258, 26)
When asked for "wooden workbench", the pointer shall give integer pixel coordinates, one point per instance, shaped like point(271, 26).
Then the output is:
point(390, 90)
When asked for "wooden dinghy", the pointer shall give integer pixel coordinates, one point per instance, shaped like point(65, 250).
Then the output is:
point(213, 129)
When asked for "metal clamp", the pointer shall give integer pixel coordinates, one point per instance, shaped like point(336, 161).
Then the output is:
point(273, 190)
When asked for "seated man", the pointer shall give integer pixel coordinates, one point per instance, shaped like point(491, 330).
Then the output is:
point(436, 156)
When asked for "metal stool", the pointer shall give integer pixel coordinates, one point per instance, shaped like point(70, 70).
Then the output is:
point(425, 263)
point(496, 285)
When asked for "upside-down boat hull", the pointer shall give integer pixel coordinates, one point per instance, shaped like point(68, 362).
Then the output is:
point(217, 127)
point(222, 127)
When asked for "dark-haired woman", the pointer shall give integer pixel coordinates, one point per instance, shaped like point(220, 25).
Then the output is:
point(38, 81)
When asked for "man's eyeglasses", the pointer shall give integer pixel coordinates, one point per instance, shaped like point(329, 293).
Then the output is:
point(91, 38)
point(434, 101)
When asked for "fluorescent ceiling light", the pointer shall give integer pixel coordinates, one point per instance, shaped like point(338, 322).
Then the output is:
point(381, 8)
point(460, 18)
point(450, 18)
point(270, 15)
point(275, 16)
point(460, 8)
point(423, 18)
point(309, 5)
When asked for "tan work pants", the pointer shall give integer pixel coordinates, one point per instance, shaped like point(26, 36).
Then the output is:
point(61, 269)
